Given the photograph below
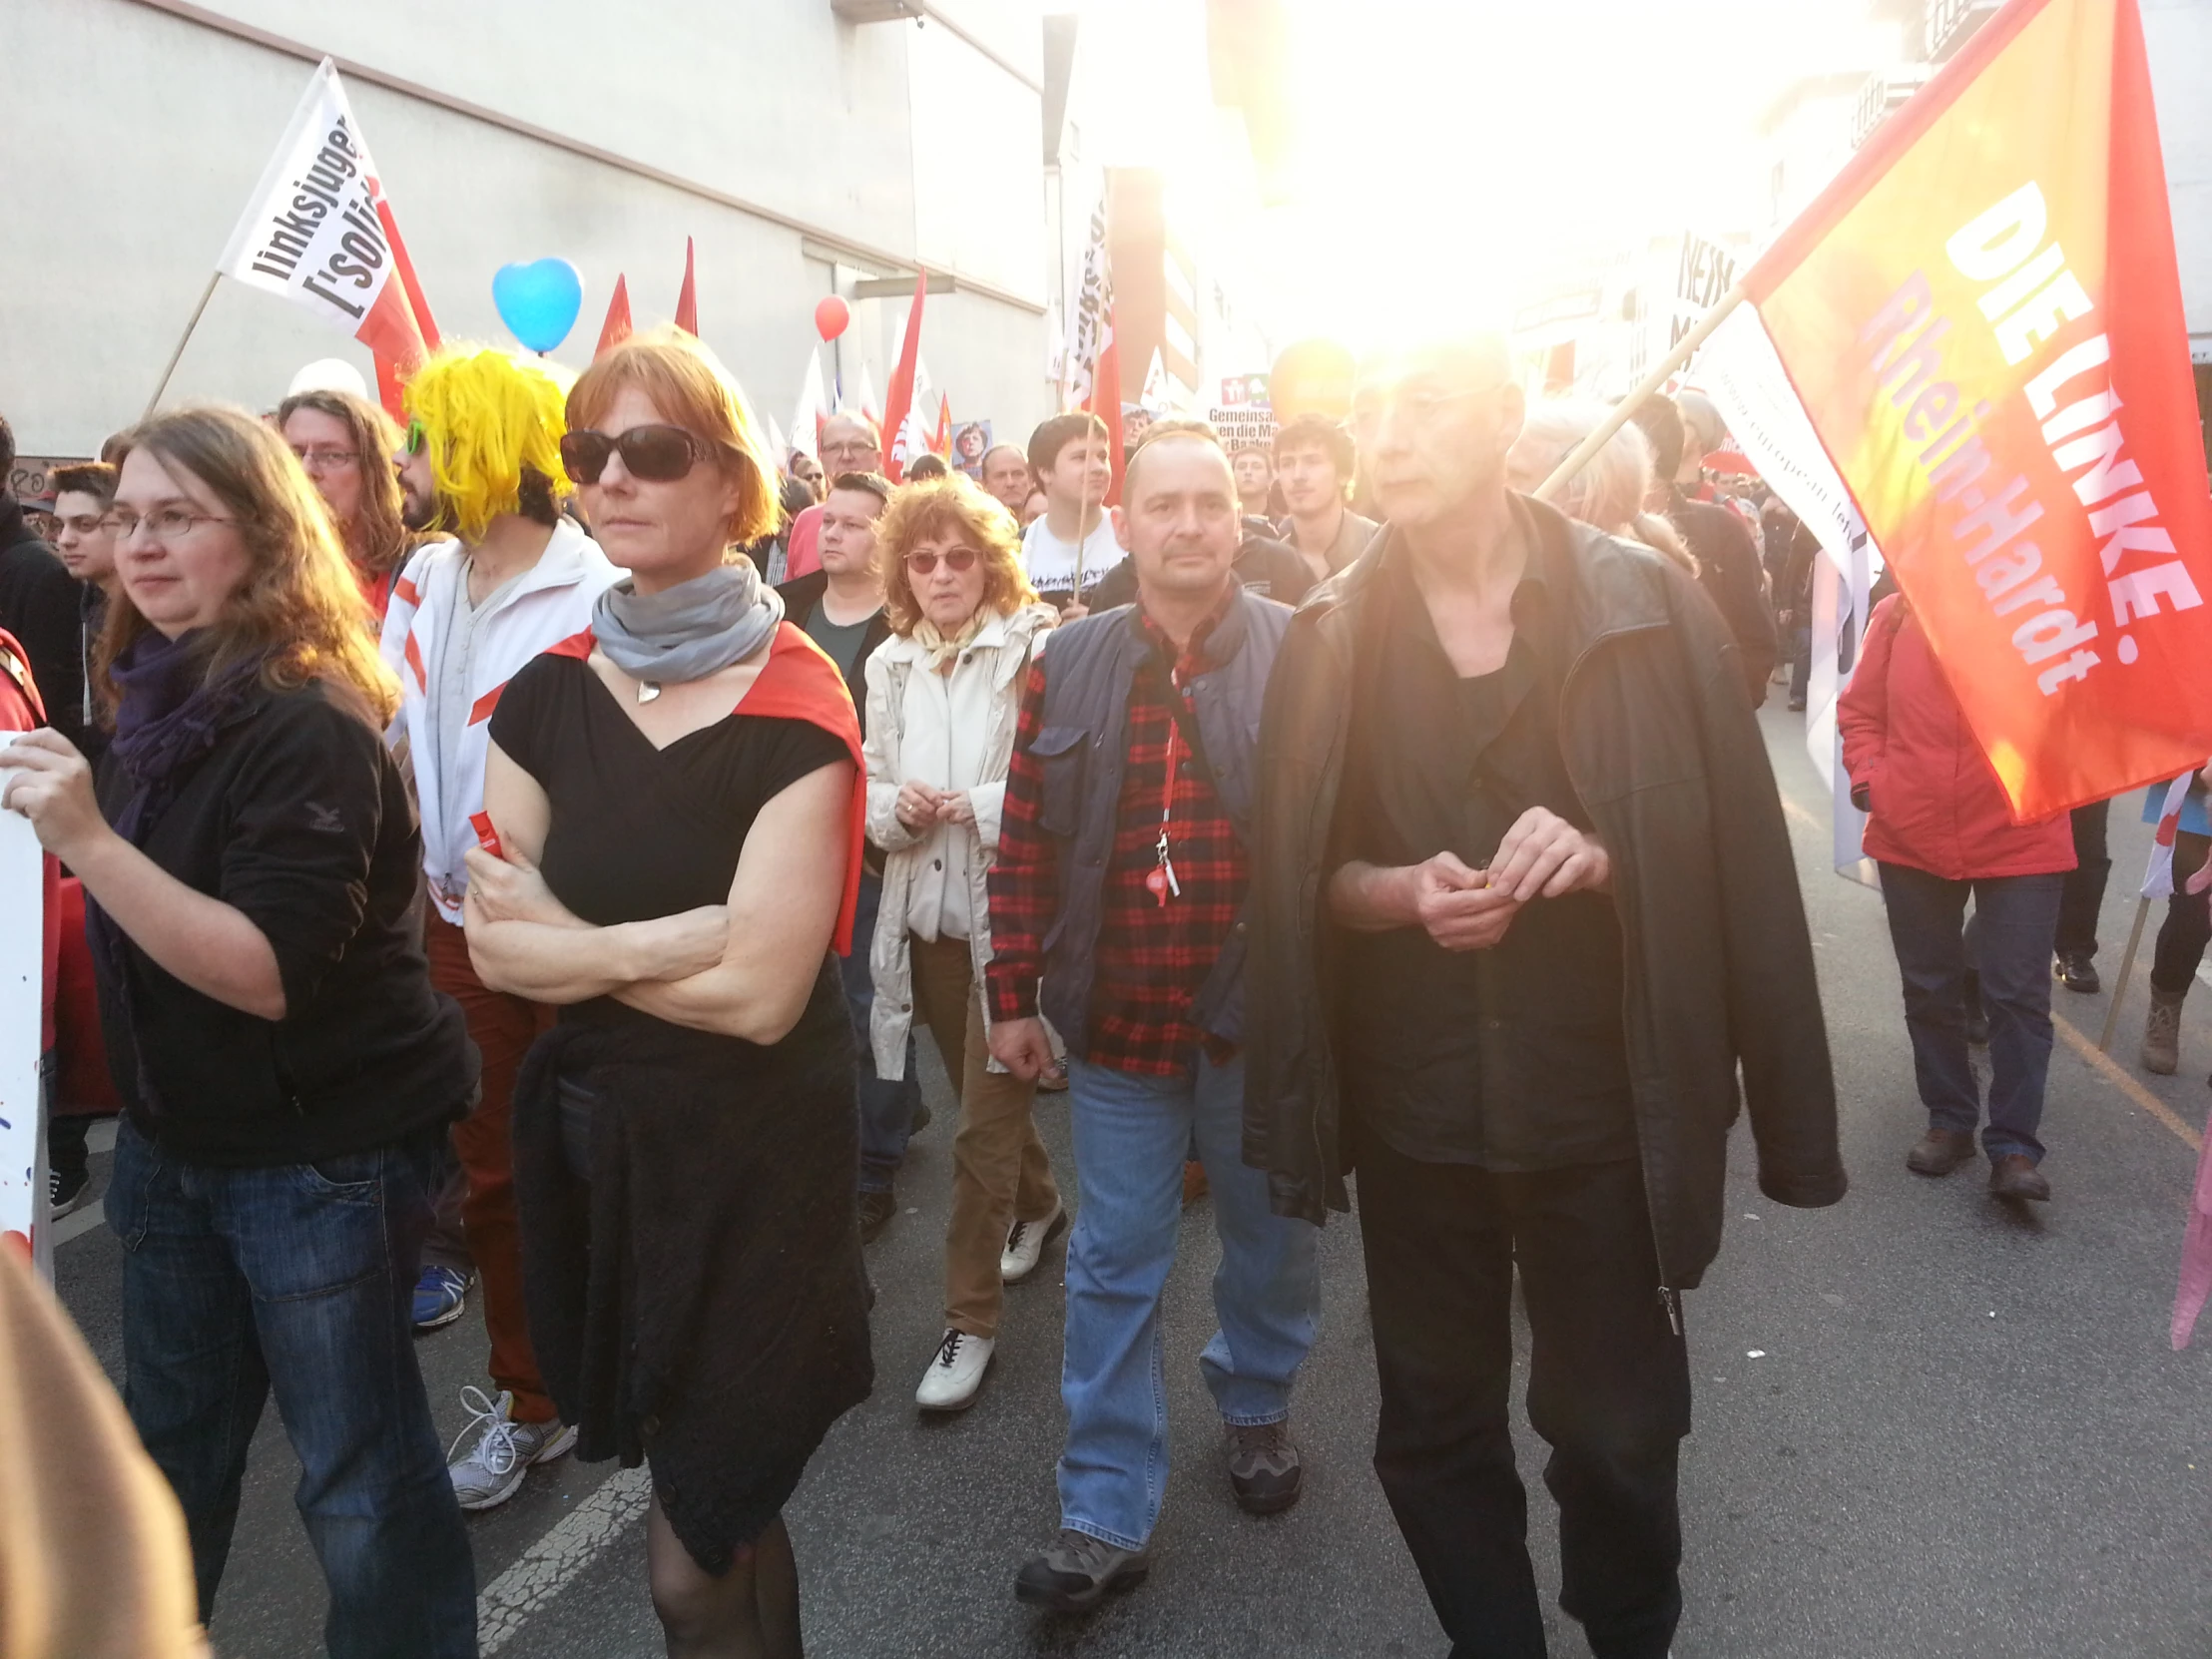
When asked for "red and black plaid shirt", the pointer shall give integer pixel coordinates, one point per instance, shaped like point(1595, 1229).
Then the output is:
point(1152, 956)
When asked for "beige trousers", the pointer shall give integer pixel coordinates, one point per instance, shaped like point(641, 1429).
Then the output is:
point(999, 1168)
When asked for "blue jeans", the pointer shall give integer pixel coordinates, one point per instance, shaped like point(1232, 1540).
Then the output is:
point(2015, 920)
point(1131, 1133)
point(298, 1278)
point(887, 1108)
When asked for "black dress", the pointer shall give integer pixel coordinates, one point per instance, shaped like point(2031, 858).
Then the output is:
point(700, 1300)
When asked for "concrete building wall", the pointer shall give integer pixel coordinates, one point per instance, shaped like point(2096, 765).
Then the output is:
point(133, 136)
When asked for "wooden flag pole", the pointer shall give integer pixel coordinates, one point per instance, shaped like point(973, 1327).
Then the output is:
point(2119, 985)
point(177, 356)
point(1621, 413)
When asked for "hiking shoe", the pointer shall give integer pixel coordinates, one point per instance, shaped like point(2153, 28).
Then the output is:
point(2077, 971)
point(1939, 1151)
point(1025, 1245)
point(67, 1192)
point(1077, 1571)
point(1263, 1468)
point(491, 1470)
point(439, 1296)
point(2014, 1175)
point(2162, 1032)
point(957, 1375)
point(876, 1209)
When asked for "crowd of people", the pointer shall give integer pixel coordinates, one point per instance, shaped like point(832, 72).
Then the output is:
point(516, 852)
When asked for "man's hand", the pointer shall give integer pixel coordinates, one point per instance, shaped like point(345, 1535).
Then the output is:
point(1021, 1046)
point(1544, 855)
point(1074, 611)
point(918, 804)
point(1460, 907)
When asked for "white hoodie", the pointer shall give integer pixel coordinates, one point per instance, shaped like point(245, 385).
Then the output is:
point(546, 604)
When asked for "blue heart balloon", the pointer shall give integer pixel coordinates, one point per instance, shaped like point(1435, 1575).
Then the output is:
point(539, 300)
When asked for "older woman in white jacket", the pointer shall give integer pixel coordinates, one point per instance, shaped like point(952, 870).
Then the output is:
point(942, 696)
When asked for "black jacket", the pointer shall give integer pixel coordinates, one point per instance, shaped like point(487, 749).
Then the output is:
point(1666, 758)
point(297, 818)
point(38, 605)
point(801, 595)
point(1730, 573)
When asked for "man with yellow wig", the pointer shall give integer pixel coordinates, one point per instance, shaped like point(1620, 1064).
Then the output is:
point(512, 576)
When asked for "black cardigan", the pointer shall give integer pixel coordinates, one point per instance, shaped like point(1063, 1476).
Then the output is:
point(299, 819)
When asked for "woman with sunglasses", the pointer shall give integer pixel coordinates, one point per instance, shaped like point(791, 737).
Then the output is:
point(942, 696)
point(344, 441)
point(287, 1071)
point(672, 850)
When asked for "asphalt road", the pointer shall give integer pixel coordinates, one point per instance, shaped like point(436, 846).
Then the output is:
point(1927, 1424)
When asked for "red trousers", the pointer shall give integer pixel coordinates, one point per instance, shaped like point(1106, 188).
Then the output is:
point(502, 1028)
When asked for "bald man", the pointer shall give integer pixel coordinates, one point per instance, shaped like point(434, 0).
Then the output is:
point(849, 444)
point(1521, 902)
point(1005, 473)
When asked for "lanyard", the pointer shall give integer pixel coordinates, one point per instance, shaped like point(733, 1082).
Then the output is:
point(1160, 881)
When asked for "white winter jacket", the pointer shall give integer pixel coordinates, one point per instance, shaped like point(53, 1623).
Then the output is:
point(547, 604)
point(1002, 649)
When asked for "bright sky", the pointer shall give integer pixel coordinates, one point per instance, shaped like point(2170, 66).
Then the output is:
point(1449, 149)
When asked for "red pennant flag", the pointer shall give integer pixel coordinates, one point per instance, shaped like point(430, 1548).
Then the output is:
point(1105, 401)
point(901, 395)
point(1982, 318)
point(687, 298)
point(616, 328)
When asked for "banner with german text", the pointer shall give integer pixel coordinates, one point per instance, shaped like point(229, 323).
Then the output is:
point(1982, 318)
point(319, 232)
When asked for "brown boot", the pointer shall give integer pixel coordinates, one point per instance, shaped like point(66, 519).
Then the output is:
point(2013, 1176)
point(2162, 1032)
point(1939, 1151)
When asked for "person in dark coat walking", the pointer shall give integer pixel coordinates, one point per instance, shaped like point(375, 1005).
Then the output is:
point(38, 605)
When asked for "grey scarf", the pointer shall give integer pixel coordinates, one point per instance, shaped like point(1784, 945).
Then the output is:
point(689, 631)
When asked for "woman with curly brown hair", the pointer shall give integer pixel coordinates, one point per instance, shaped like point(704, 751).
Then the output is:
point(943, 695)
point(287, 1069)
point(345, 444)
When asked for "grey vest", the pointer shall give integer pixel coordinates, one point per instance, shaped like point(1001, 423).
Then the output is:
point(1082, 746)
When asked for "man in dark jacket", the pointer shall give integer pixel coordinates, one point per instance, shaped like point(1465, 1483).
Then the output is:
point(1522, 902)
point(38, 605)
point(1118, 913)
point(1728, 561)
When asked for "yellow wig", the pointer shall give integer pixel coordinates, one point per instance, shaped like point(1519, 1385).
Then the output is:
point(485, 417)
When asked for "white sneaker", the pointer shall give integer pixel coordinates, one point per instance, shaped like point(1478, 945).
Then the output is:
point(1025, 1245)
point(955, 1375)
point(491, 1473)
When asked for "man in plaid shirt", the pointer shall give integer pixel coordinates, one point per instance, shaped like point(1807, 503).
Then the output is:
point(1117, 912)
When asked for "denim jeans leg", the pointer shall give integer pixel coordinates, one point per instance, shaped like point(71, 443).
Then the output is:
point(887, 1107)
point(1131, 1132)
point(330, 1250)
point(1267, 1290)
point(1926, 930)
point(2019, 917)
point(194, 1383)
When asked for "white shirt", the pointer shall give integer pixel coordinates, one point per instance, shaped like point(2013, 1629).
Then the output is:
point(943, 720)
point(1050, 561)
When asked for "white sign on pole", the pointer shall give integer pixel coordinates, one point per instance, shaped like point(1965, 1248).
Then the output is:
point(23, 1221)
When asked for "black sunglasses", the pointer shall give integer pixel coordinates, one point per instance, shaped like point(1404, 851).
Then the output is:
point(657, 455)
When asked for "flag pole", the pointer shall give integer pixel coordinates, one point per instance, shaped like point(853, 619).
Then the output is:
point(2119, 985)
point(175, 357)
point(1622, 412)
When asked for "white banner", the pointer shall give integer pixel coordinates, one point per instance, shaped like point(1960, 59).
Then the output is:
point(312, 231)
point(22, 988)
point(1088, 324)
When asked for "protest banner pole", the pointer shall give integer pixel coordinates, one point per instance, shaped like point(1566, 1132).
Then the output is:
point(1621, 413)
point(175, 357)
point(2119, 985)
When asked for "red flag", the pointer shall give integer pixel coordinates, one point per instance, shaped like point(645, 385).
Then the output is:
point(687, 298)
point(1105, 401)
point(901, 395)
point(616, 328)
point(1982, 318)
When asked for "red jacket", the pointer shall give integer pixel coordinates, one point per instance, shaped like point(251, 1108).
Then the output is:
point(1935, 799)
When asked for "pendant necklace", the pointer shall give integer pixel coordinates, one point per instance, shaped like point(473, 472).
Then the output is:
point(648, 690)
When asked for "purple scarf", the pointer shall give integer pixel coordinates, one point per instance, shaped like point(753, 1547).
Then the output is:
point(168, 718)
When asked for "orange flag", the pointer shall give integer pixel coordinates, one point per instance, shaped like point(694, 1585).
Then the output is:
point(617, 328)
point(686, 297)
point(1982, 318)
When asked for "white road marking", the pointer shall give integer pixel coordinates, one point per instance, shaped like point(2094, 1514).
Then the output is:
point(547, 1567)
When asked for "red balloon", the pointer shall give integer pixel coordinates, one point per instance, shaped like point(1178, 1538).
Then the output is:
point(831, 316)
